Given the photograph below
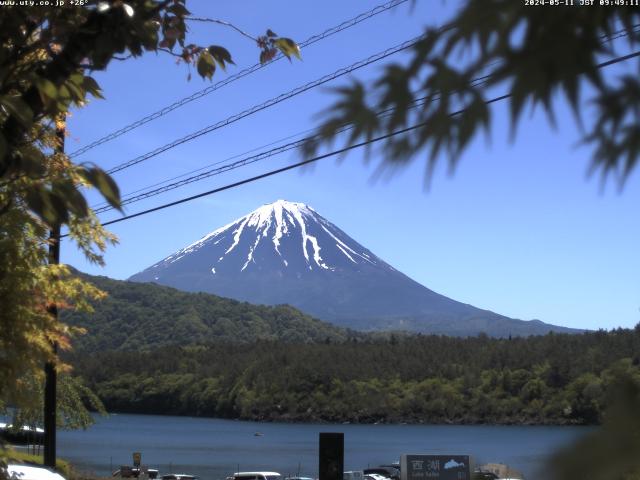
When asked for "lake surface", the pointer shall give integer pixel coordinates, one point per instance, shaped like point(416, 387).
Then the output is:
point(213, 449)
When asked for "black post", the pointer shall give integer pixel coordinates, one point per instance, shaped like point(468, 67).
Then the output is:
point(51, 379)
point(331, 459)
point(50, 412)
point(50, 370)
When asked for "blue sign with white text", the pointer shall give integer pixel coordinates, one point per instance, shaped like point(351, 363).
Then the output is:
point(435, 467)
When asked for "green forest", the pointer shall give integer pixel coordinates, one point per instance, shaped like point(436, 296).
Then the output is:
point(552, 379)
point(143, 316)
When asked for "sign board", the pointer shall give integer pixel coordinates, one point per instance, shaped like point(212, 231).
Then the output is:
point(435, 467)
point(137, 457)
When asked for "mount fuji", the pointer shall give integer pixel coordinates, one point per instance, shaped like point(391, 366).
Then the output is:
point(286, 253)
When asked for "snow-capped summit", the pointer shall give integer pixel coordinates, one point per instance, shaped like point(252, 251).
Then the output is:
point(311, 242)
point(285, 252)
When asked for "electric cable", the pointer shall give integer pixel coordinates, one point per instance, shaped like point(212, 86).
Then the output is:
point(326, 155)
point(175, 183)
point(273, 101)
point(205, 167)
point(287, 168)
point(148, 192)
point(232, 78)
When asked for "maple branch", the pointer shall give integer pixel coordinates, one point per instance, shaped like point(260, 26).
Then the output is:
point(221, 22)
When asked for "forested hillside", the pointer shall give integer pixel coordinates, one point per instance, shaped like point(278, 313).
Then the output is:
point(139, 316)
point(557, 378)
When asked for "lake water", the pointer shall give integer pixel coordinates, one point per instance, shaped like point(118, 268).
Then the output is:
point(213, 449)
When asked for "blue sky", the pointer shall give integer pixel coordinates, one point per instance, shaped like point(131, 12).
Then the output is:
point(519, 228)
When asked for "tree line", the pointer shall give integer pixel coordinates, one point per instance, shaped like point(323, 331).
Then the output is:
point(144, 316)
point(552, 379)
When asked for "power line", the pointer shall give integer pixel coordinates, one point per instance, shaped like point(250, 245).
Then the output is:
point(273, 101)
point(278, 150)
point(207, 174)
point(620, 59)
point(311, 40)
point(285, 96)
point(287, 168)
point(327, 155)
point(212, 164)
point(620, 33)
point(243, 73)
point(248, 160)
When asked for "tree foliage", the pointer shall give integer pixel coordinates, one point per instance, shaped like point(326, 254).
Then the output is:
point(612, 451)
point(45, 54)
point(28, 286)
point(530, 55)
point(552, 379)
point(47, 57)
point(146, 316)
point(74, 397)
point(533, 54)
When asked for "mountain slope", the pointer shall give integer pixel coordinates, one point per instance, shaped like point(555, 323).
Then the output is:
point(138, 316)
point(286, 252)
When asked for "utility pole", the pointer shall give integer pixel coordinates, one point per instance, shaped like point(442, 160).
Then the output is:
point(331, 456)
point(51, 375)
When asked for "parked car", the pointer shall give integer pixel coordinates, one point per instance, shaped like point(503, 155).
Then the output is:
point(255, 476)
point(133, 472)
point(375, 476)
point(393, 469)
point(28, 472)
point(179, 476)
point(484, 476)
point(353, 475)
point(26, 435)
point(385, 472)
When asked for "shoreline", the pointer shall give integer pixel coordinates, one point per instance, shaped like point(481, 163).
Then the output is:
point(214, 447)
point(311, 420)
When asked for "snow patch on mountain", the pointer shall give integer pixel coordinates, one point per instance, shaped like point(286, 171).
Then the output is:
point(277, 221)
point(250, 256)
point(287, 253)
point(342, 246)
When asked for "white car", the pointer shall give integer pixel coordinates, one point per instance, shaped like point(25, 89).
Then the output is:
point(255, 476)
point(375, 476)
point(28, 472)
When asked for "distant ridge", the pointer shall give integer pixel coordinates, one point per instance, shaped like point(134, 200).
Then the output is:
point(287, 253)
point(137, 316)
